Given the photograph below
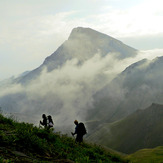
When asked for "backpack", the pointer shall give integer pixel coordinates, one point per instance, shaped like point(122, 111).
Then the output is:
point(81, 129)
point(50, 124)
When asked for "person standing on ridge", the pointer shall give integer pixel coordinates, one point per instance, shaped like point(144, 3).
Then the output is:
point(50, 122)
point(44, 122)
point(80, 131)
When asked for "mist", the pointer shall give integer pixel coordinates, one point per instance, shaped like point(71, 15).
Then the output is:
point(67, 92)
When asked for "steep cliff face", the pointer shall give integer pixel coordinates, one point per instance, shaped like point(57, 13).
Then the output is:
point(82, 44)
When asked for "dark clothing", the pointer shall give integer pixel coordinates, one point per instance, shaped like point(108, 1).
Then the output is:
point(50, 122)
point(44, 122)
point(79, 137)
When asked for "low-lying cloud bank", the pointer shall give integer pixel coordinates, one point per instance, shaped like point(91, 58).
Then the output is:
point(67, 92)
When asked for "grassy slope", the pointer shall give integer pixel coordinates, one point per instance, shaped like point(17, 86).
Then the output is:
point(147, 155)
point(142, 129)
point(22, 142)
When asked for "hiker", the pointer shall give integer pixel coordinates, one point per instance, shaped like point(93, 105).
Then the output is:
point(44, 122)
point(80, 131)
point(50, 122)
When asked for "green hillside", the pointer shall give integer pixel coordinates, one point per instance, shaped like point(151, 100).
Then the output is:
point(23, 142)
point(154, 155)
point(142, 129)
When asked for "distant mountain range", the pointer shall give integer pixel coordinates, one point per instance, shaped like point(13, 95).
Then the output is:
point(82, 45)
point(77, 81)
point(136, 87)
point(142, 129)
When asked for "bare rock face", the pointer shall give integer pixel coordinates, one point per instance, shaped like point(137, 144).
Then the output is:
point(82, 44)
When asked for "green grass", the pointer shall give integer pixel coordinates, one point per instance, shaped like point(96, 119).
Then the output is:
point(142, 129)
point(154, 155)
point(23, 142)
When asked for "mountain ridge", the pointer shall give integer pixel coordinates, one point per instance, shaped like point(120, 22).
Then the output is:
point(82, 44)
point(74, 92)
point(142, 129)
point(136, 87)
point(23, 142)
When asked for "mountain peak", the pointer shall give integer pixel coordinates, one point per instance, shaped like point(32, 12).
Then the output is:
point(87, 32)
point(83, 44)
point(80, 29)
point(93, 41)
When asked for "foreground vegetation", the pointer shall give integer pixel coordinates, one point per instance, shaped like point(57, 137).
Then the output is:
point(23, 142)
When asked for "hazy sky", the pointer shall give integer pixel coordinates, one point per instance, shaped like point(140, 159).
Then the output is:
point(31, 30)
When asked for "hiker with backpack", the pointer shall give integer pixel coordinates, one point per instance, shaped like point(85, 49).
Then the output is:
point(50, 122)
point(80, 131)
point(44, 122)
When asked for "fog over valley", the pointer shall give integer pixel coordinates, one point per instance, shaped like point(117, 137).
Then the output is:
point(90, 77)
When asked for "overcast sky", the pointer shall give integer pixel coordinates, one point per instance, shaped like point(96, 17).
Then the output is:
point(31, 30)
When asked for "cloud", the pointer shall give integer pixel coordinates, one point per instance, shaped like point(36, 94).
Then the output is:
point(138, 20)
point(30, 32)
point(151, 54)
point(66, 93)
